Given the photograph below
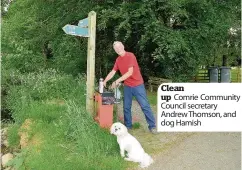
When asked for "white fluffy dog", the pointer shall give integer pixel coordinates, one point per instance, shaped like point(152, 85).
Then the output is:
point(128, 143)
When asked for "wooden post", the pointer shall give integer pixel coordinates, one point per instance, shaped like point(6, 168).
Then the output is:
point(91, 62)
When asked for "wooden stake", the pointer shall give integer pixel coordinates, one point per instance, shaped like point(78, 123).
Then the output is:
point(91, 62)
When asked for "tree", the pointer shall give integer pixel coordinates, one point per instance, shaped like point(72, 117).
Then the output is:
point(173, 37)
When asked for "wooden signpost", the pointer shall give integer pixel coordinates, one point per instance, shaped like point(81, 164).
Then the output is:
point(87, 28)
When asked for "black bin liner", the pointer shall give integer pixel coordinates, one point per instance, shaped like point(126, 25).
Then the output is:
point(107, 97)
point(108, 100)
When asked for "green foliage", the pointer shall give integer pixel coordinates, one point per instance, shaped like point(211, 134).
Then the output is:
point(36, 90)
point(37, 110)
point(236, 75)
point(172, 37)
point(136, 125)
point(4, 4)
point(81, 144)
point(82, 128)
point(24, 61)
point(63, 134)
point(13, 137)
point(69, 55)
point(37, 26)
point(18, 160)
point(42, 66)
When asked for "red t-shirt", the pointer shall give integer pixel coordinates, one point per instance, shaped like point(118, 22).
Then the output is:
point(123, 63)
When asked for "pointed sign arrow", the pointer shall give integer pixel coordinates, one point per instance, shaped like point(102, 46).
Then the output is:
point(75, 30)
point(83, 23)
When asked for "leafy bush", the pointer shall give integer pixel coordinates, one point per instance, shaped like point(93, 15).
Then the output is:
point(23, 60)
point(174, 37)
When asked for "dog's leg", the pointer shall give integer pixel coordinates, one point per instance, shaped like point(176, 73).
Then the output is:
point(122, 151)
point(128, 159)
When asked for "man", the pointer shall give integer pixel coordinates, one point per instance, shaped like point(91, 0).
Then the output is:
point(128, 66)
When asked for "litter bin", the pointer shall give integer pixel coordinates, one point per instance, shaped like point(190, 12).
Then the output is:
point(225, 74)
point(104, 108)
point(213, 74)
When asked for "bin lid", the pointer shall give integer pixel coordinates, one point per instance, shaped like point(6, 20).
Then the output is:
point(105, 93)
point(212, 67)
point(224, 67)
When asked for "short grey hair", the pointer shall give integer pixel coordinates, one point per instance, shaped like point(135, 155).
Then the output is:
point(117, 42)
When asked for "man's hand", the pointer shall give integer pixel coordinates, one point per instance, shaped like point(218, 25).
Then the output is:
point(114, 84)
point(104, 83)
point(109, 76)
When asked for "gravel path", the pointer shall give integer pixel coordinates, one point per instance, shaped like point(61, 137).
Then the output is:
point(202, 151)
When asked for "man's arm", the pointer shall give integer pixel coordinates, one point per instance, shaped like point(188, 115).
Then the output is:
point(124, 77)
point(109, 76)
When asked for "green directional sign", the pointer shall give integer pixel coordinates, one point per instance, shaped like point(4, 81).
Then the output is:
point(75, 30)
point(83, 23)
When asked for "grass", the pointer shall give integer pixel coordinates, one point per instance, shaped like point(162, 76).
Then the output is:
point(152, 97)
point(73, 142)
point(13, 137)
point(63, 135)
point(136, 125)
point(236, 74)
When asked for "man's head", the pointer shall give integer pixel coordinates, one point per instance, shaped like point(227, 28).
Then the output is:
point(119, 48)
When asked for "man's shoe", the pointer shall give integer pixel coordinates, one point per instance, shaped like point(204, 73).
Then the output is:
point(153, 131)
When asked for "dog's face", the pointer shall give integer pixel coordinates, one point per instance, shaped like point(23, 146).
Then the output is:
point(118, 129)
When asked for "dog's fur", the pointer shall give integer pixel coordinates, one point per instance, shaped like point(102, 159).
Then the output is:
point(130, 144)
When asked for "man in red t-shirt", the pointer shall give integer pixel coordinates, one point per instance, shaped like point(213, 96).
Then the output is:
point(128, 66)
